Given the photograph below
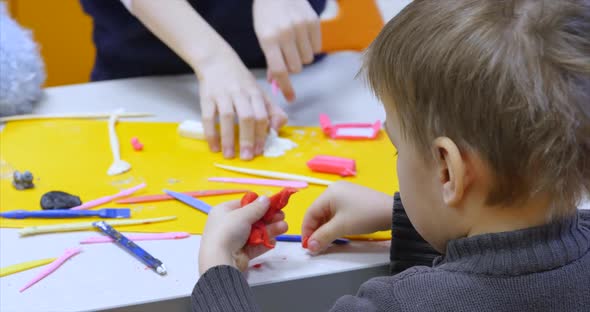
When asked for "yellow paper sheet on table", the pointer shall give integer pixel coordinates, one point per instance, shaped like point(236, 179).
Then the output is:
point(73, 156)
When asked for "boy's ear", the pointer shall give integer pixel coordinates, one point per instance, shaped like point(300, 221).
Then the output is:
point(451, 170)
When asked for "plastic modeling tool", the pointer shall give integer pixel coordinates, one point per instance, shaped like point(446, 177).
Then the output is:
point(335, 165)
point(162, 197)
point(275, 174)
point(52, 267)
point(68, 227)
point(137, 237)
point(191, 201)
point(298, 239)
point(118, 166)
point(19, 267)
point(350, 131)
point(130, 246)
point(56, 214)
point(265, 182)
point(108, 199)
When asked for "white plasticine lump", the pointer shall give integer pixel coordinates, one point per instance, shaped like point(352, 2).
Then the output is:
point(276, 146)
point(191, 129)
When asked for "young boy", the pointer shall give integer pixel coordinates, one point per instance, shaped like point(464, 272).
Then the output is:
point(488, 105)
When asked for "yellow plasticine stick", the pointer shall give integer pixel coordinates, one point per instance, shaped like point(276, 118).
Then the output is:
point(67, 227)
point(19, 267)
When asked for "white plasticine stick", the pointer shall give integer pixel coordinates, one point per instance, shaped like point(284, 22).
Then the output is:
point(275, 175)
point(67, 227)
point(71, 116)
point(118, 166)
point(50, 268)
point(265, 182)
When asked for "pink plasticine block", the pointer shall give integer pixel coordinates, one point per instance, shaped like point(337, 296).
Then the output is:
point(137, 237)
point(334, 165)
point(52, 266)
point(108, 199)
point(266, 182)
point(136, 144)
point(350, 131)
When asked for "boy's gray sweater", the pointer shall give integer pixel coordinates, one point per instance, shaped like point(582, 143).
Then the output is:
point(545, 268)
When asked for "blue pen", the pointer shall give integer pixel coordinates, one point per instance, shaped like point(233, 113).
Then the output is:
point(191, 201)
point(130, 246)
point(297, 239)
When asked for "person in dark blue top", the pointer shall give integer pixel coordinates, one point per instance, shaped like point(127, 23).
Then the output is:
point(218, 40)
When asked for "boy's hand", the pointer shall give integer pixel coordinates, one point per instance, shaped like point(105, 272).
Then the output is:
point(345, 209)
point(228, 89)
point(227, 231)
point(289, 34)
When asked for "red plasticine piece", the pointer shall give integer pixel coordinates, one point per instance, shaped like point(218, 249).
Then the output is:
point(304, 242)
point(258, 233)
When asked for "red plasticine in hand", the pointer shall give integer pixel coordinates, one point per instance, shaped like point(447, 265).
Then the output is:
point(304, 242)
point(258, 234)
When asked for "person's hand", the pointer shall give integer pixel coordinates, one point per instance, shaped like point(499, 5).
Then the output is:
point(345, 209)
point(227, 230)
point(228, 89)
point(289, 35)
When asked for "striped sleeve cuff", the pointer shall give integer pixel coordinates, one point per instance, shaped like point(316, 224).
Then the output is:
point(222, 288)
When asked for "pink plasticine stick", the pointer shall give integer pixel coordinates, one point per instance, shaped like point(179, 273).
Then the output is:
point(137, 237)
point(266, 182)
point(52, 266)
point(107, 199)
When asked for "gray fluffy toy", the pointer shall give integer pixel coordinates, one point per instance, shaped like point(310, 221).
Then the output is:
point(22, 72)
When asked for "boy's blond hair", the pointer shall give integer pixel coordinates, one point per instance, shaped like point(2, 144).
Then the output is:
point(506, 79)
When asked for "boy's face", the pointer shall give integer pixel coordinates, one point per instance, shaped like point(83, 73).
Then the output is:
point(419, 184)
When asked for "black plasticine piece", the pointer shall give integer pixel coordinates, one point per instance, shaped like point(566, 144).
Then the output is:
point(22, 181)
point(59, 200)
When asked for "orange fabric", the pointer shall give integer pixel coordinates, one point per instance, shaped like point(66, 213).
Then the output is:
point(357, 24)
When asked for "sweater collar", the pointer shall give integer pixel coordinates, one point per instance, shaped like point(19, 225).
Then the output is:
point(519, 252)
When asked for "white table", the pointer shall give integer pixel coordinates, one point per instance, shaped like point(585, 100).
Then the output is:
point(106, 278)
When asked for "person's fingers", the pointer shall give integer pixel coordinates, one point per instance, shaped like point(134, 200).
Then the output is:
point(277, 228)
point(315, 33)
point(208, 111)
point(241, 259)
point(277, 68)
point(285, 85)
point(226, 118)
point(279, 216)
point(256, 251)
point(245, 113)
point(255, 210)
point(324, 235)
point(230, 205)
point(291, 52)
point(278, 117)
point(304, 42)
point(273, 229)
point(318, 213)
point(261, 121)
